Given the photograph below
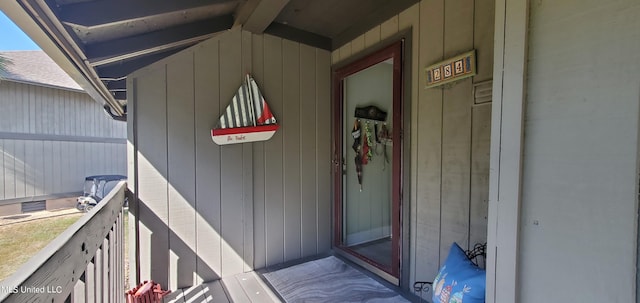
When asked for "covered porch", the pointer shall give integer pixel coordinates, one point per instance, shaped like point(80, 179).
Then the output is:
point(86, 263)
point(462, 169)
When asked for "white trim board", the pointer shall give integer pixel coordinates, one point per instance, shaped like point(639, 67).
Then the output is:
point(505, 175)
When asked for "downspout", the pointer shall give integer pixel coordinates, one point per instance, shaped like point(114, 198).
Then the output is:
point(109, 112)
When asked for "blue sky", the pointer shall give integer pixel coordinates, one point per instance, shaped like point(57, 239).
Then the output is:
point(12, 37)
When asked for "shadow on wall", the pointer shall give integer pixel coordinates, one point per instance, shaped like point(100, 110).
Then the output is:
point(159, 258)
point(182, 241)
point(209, 211)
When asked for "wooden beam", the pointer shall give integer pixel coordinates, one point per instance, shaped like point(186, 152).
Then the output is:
point(298, 35)
point(119, 95)
point(244, 12)
point(111, 51)
point(259, 14)
point(93, 13)
point(117, 85)
point(125, 67)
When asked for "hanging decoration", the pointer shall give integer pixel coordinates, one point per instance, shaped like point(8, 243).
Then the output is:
point(366, 137)
point(385, 139)
point(247, 119)
point(366, 146)
point(356, 134)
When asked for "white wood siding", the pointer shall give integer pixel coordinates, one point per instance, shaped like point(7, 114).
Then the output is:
point(578, 232)
point(209, 211)
point(50, 139)
point(449, 133)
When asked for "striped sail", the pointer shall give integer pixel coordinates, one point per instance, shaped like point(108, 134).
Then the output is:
point(248, 108)
point(246, 119)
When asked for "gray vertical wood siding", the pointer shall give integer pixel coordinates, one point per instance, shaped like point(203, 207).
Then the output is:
point(50, 139)
point(209, 211)
point(151, 179)
point(449, 133)
point(580, 165)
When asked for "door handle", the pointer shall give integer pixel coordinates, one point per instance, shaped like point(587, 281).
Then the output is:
point(337, 163)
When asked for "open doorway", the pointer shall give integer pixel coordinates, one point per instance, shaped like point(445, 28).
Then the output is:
point(368, 158)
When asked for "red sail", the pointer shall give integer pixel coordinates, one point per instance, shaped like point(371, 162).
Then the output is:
point(267, 116)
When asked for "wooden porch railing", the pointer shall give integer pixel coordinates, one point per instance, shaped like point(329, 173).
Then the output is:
point(84, 264)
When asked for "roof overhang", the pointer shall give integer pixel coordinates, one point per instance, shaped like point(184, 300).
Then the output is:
point(99, 42)
point(40, 31)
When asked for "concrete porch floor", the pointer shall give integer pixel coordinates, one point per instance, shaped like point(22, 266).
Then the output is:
point(252, 287)
point(245, 287)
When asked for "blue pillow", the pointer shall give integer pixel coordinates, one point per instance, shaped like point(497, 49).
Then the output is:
point(459, 280)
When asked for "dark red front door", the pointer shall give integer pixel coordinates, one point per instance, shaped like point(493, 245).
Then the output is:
point(368, 158)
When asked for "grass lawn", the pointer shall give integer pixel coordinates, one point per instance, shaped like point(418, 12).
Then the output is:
point(20, 241)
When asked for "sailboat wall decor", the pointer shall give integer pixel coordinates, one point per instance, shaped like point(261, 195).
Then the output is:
point(247, 119)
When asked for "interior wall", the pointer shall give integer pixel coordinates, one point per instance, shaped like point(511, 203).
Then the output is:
point(207, 211)
point(579, 202)
point(368, 211)
point(450, 127)
point(51, 139)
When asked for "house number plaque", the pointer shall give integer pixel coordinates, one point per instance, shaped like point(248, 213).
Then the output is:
point(453, 69)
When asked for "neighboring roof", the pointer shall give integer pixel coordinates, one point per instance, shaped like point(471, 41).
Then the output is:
point(35, 67)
